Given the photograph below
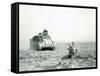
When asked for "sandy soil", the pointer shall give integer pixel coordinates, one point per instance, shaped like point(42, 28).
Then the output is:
point(31, 60)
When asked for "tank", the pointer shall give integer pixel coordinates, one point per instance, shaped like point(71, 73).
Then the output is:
point(42, 41)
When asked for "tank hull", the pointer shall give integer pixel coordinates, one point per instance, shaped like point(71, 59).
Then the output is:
point(45, 45)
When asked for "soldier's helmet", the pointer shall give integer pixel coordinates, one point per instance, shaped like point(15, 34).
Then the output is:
point(40, 34)
point(45, 32)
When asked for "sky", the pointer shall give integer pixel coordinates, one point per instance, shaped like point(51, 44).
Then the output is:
point(64, 24)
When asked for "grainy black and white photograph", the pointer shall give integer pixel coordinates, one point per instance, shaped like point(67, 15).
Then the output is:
point(53, 37)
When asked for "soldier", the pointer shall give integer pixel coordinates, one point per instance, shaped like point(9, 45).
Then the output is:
point(45, 32)
point(71, 50)
point(40, 37)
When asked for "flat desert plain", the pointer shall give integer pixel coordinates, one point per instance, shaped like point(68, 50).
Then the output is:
point(32, 60)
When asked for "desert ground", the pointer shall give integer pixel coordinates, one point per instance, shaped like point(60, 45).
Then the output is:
point(31, 60)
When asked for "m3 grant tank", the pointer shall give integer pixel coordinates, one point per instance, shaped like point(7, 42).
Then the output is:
point(42, 41)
